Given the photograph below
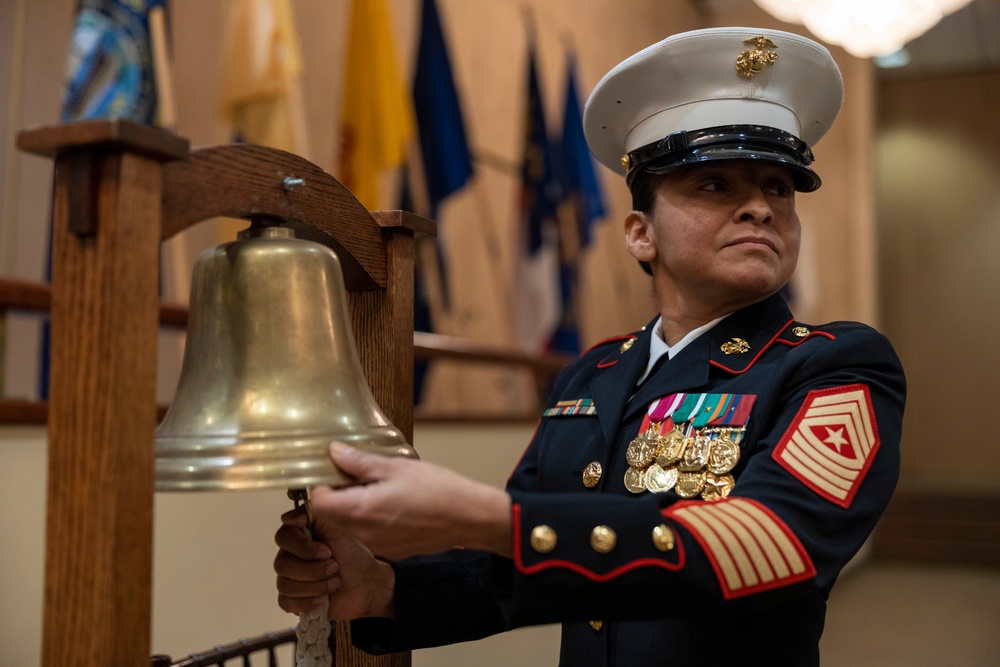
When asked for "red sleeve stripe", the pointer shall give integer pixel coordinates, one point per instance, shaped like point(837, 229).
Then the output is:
point(750, 549)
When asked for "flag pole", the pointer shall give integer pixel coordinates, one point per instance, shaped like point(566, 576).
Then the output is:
point(162, 69)
point(492, 239)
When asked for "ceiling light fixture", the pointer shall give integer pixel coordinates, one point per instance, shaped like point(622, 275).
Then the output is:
point(864, 28)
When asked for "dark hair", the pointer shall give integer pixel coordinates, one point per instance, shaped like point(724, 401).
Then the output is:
point(644, 188)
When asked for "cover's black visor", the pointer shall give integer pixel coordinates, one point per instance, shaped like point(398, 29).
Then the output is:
point(727, 142)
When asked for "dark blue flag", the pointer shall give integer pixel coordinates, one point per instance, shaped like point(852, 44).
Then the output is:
point(447, 161)
point(581, 174)
point(536, 292)
point(582, 205)
point(541, 188)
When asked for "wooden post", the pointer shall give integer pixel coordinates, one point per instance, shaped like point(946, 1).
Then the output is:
point(106, 234)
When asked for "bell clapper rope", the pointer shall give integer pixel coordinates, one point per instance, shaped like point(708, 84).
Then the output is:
point(312, 648)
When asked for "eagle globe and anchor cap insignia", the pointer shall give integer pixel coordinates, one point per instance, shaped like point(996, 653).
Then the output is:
point(751, 62)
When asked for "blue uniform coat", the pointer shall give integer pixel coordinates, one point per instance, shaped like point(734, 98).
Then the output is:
point(741, 580)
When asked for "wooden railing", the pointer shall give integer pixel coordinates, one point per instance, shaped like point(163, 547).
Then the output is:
point(24, 296)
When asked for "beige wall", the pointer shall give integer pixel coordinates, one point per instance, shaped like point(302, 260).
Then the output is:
point(939, 221)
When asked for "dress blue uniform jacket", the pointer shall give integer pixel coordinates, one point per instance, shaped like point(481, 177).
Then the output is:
point(742, 580)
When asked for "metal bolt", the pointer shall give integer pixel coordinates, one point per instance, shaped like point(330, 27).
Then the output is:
point(289, 183)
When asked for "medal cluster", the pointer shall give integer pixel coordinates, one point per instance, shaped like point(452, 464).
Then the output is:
point(690, 461)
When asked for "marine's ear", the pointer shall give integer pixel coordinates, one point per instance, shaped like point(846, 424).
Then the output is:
point(640, 237)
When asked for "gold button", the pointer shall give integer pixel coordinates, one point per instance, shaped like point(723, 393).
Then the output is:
point(597, 625)
point(801, 332)
point(603, 539)
point(543, 539)
point(663, 537)
point(592, 474)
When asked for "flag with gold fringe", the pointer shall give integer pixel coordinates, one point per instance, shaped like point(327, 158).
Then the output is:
point(377, 122)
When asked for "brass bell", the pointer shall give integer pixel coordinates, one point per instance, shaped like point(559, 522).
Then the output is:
point(270, 372)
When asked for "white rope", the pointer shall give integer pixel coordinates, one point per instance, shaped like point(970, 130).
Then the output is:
point(313, 630)
point(313, 633)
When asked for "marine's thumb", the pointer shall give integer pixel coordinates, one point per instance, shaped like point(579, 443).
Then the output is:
point(362, 466)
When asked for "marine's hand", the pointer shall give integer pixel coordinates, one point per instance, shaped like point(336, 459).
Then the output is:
point(405, 507)
point(337, 567)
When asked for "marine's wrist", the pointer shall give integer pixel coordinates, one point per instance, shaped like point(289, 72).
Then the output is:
point(383, 602)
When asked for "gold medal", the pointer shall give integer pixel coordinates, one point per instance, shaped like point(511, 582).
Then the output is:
point(696, 454)
point(640, 451)
point(670, 447)
point(659, 479)
point(717, 487)
point(724, 455)
point(635, 480)
point(689, 484)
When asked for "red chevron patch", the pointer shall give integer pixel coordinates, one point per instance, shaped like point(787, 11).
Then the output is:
point(830, 444)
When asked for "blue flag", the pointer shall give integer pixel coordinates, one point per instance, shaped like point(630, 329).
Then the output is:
point(541, 188)
point(446, 158)
point(447, 161)
point(580, 174)
point(537, 299)
point(581, 207)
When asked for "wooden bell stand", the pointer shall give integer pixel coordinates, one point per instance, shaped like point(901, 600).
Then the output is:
point(120, 189)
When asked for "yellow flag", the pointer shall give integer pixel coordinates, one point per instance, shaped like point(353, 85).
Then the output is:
point(378, 120)
point(262, 65)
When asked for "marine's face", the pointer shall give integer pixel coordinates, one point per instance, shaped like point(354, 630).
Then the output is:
point(721, 234)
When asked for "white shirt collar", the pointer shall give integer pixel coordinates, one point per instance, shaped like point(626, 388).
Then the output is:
point(658, 347)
